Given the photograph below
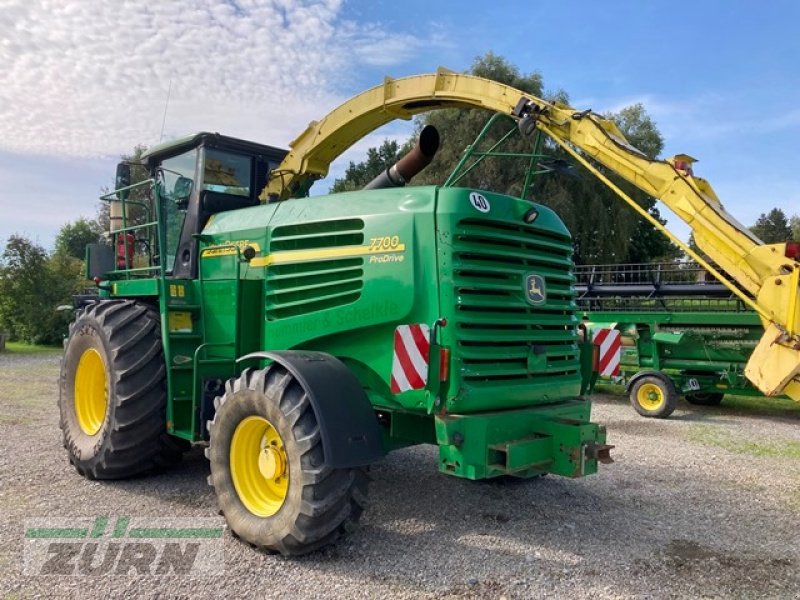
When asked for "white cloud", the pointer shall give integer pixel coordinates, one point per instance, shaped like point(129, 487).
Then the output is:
point(90, 78)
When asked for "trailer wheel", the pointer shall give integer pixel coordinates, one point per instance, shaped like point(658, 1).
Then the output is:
point(268, 468)
point(653, 396)
point(112, 392)
point(705, 398)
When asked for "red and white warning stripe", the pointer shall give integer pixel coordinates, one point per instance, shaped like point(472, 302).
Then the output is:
point(410, 362)
point(609, 345)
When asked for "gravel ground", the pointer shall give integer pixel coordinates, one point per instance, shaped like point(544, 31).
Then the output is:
point(705, 504)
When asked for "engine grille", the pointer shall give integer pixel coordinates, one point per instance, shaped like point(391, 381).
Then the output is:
point(308, 286)
point(497, 330)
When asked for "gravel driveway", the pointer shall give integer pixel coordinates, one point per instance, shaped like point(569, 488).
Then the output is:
point(706, 504)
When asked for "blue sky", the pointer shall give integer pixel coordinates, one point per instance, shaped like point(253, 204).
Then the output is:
point(721, 80)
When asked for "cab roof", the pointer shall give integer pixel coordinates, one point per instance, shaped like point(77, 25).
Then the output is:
point(205, 138)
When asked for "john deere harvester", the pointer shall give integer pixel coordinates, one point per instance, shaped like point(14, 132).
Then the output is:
point(301, 338)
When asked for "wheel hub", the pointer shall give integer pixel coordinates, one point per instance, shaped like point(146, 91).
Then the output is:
point(650, 396)
point(90, 392)
point(270, 461)
point(259, 466)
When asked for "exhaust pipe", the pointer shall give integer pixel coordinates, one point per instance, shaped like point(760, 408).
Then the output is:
point(412, 163)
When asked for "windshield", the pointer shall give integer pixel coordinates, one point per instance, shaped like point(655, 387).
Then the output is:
point(227, 173)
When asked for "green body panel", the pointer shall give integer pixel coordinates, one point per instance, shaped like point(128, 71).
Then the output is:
point(489, 275)
point(407, 428)
point(700, 351)
point(345, 293)
point(135, 287)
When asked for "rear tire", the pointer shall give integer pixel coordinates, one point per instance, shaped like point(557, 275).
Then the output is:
point(267, 467)
point(112, 393)
point(653, 396)
point(705, 398)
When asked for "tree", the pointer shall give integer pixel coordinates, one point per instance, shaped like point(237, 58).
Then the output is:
point(32, 286)
point(645, 242)
point(73, 237)
point(458, 128)
point(795, 224)
point(772, 227)
point(22, 278)
point(604, 228)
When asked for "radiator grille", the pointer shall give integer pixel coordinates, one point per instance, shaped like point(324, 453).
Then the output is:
point(501, 336)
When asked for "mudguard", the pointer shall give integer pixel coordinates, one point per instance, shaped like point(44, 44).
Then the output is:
point(351, 436)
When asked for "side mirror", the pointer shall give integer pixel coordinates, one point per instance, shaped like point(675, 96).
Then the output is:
point(123, 176)
point(182, 191)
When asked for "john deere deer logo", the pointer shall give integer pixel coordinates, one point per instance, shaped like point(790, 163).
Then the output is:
point(535, 292)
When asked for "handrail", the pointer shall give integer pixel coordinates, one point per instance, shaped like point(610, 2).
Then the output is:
point(150, 226)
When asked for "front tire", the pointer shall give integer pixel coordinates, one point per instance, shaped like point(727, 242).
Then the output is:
point(112, 392)
point(268, 468)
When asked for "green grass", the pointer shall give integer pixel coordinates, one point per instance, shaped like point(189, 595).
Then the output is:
point(20, 348)
point(710, 435)
point(761, 403)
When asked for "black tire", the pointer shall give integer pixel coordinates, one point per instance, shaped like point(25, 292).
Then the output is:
point(705, 398)
point(653, 396)
point(131, 436)
point(320, 502)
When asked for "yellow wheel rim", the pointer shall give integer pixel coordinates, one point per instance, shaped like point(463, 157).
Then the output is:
point(650, 396)
point(259, 466)
point(91, 392)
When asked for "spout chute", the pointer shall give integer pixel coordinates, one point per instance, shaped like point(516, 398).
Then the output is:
point(412, 163)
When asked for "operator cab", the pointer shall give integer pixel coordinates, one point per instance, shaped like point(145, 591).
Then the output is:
point(200, 175)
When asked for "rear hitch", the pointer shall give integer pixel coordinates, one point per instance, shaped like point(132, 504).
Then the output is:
point(599, 452)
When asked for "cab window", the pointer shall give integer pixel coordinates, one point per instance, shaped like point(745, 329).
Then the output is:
point(227, 173)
